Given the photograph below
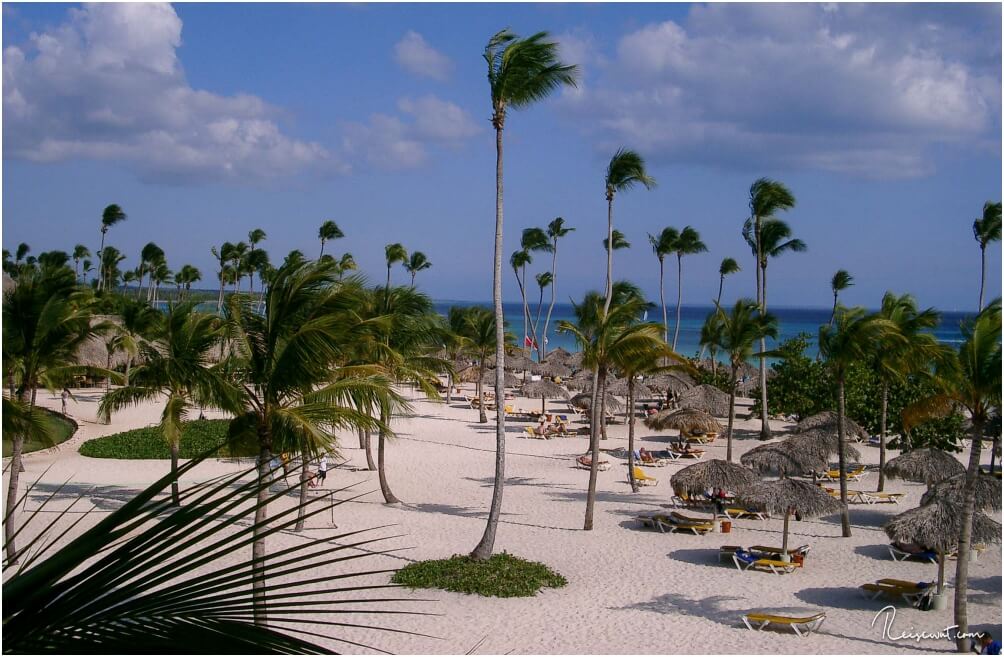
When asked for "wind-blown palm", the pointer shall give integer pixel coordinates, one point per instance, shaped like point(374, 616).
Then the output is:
point(518, 261)
point(555, 231)
point(79, 253)
point(177, 366)
point(149, 256)
point(475, 327)
point(111, 215)
point(987, 229)
point(416, 262)
point(521, 72)
point(224, 255)
point(688, 243)
point(394, 253)
point(728, 267)
point(329, 230)
point(532, 239)
point(662, 245)
point(544, 280)
point(840, 282)
point(620, 241)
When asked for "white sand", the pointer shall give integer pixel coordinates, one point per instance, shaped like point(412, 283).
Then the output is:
point(630, 590)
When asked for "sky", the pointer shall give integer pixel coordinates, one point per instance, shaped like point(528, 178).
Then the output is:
point(206, 121)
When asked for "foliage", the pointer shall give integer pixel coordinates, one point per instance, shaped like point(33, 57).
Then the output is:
point(57, 429)
point(718, 378)
point(197, 437)
point(501, 576)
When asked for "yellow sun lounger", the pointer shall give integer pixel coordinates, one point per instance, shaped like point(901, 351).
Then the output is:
point(643, 479)
point(869, 497)
point(909, 592)
point(803, 625)
point(852, 475)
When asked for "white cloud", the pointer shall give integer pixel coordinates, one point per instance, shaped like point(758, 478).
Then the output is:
point(415, 55)
point(107, 84)
point(437, 119)
point(866, 90)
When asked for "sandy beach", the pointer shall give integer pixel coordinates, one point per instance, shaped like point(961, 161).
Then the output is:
point(630, 589)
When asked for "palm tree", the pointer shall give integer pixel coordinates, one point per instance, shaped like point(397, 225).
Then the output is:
point(767, 197)
point(177, 365)
point(476, 328)
point(238, 256)
point(284, 368)
point(224, 255)
point(737, 333)
point(346, 263)
point(518, 261)
point(729, 266)
point(329, 231)
point(987, 230)
point(416, 262)
point(544, 280)
point(848, 341)
point(532, 239)
point(394, 253)
point(159, 275)
point(110, 259)
point(620, 241)
point(688, 243)
point(840, 282)
point(111, 215)
point(662, 245)
point(188, 274)
point(520, 73)
point(85, 267)
point(254, 262)
point(23, 249)
point(555, 231)
point(79, 253)
point(148, 257)
point(137, 321)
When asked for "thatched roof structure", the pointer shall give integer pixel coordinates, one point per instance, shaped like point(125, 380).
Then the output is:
point(468, 374)
point(552, 369)
point(544, 389)
point(93, 352)
point(801, 497)
point(712, 474)
point(952, 491)
point(706, 398)
point(585, 400)
point(510, 380)
point(936, 526)
point(559, 355)
point(780, 459)
point(683, 420)
point(8, 283)
point(519, 363)
point(619, 387)
point(824, 441)
point(670, 382)
point(828, 420)
point(928, 466)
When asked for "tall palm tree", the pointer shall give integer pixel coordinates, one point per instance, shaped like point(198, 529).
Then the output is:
point(329, 231)
point(292, 394)
point(476, 328)
point(555, 231)
point(23, 249)
point(255, 237)
point(416, 262)
point(737, 333)
point(532, 239)
point(688, 243)
point(394, 253)
point(840, 282)
point(346, 263)
point(177, 365)
point(224, 255)
point(187, 275)
point(111, 215)
point(86, 267)
point(987, 229)
point(110, 259)
point(149, 255)
point(662, 245)
point(79, 253)
point(544, 280)
point(518, 261)
point(238, 256)
point(620, 241)
point(913, 352)
point(849, 340)
point(767, 198)
point(728, 267)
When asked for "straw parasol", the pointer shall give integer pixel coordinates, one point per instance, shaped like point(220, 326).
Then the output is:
point(780, 459)
point(684, 420)
point(823, 440)
point(670, 383)
point(952, 491)
point(545, 390)
point(928, 466)
point(706, 398)
point(519, 362)
point(787, 496)
point(714, 474)
point(620, 388)
point(585, 399)
point(936, 526)
point(828, 419)
point(468, 374)
point(552, 369)
point(509, 379)
point(559, 355)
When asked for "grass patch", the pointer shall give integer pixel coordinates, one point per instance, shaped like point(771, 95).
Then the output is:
point(502, 576)
point(60, 429)
point(197, 437)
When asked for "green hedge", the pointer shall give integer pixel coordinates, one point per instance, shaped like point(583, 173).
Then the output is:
point(502, 576)
point(197, 437)
point(61, 429)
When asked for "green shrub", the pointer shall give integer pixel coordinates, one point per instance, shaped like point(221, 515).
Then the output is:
point(197, 437)
point(501, 576)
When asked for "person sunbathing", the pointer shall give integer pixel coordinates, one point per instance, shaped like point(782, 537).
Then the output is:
point(910, 548)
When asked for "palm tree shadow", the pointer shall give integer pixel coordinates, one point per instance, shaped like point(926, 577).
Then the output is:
point(869, 518)
point(877, 552)
point(991, 584)
point(844, 597)
point(701, 557)
point(712, 607)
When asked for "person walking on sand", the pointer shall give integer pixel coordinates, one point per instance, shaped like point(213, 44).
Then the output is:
point(64, 397)
point(322, 472)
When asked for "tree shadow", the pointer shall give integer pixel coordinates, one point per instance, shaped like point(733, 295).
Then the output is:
point(877, 552)
point(991, 584)
point(870, 518)
point(843, 597)
point(702, 557)
point(711, 607)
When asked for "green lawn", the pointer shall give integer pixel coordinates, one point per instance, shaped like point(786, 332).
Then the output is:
point(197, 437)
point(501, 576)
point(61, 431)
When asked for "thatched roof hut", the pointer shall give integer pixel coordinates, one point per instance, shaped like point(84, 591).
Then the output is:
point(787, 496)
point(926, 465)
point(519, 363)
point(545, 390)
point(510, 380)
point(585, 400)
point(952, 491)
point(712, 474)
point(559, 355)
point(619, 387)
point(828, 420)
point(468, 374)
point(706, 398)
point(823, 440)
point(780, 459)
point(683, 420)
point(552, 369)
point(675, 383)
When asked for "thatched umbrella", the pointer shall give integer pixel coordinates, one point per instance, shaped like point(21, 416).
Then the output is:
point(828, 419)
point(509, 379)
point(683, 420)
point(545, 390)
point(581, 380)
point(559, 355)
point(823, 440)
point(706, 398)
point(780, 459)
point(620, 388)
point(714, 474)
point(936, 526)
point(928, 466)
point(519, 362)
point(553, 369)
point(953, 491)
point(787, 496)
point(585, 400)
point(670, 383)
point(468, 374)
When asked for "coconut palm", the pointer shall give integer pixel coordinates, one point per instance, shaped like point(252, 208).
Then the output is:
point(737, 333)
point(111, 215)
point(254, 261)
point(767, 198)
point(544, 280)
point(971, 379)
point(662, 245)
point(850, 340)
point(86, 267)
point(729, 266)
point(840, 282)
point(476, 328)
point(292, 394)
point(224, 255)
point(532, 239)
point(688, 243)
point(110, 259)
point(346, 263)
point(23, 249)
point(177, 365)
point(329, 231)
point(521, 72)
point(79, 253)
point(555, 231)
point(137, 321)
point(149, 255)
point(238, 256)
point(620, 242)
point(518, 261)
point(416, 262)
point(987, 229)
point(394, 253)
point(159, 275)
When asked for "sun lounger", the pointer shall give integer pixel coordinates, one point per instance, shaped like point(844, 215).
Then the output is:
point(766, 549)
point(911, 594)
point(853, 474)
point(674, 523)
point(691, 502)
point(748, 560)
point(648, 460)
point(803, 625)
point(586, 462)
point(696, 454)
point(532, 433)
point(869, 497)
point(738, 513)
point(725, 552)
point(643, 479)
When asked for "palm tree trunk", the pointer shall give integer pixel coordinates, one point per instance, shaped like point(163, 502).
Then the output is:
point(594, 450)
point(630, 401)
point(388, 496)
point(362, 438)
point(845, 517)
point(321, 254)
point(449, 389)
point(413, 279)
point(301, 510)
point(17, 448)
point(679, 297)
point(784, 538)
point(486, 545)
point(732, 411)
point(370, 463)
point(536, 324)
point(882, 430)
point(603, 409)
point(764, 421)
point(479, 390)
point(718, 302)
point(983, 271)
point(554, 280)
point(175, 495)
point(833, 313)
point(965, 536)
point(662, 299)
point(527, 329)
point(258, 545)
point(219, 301)
point(941, 573)
point(101, 262)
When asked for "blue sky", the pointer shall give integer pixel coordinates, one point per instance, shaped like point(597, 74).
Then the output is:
point(205, 121)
